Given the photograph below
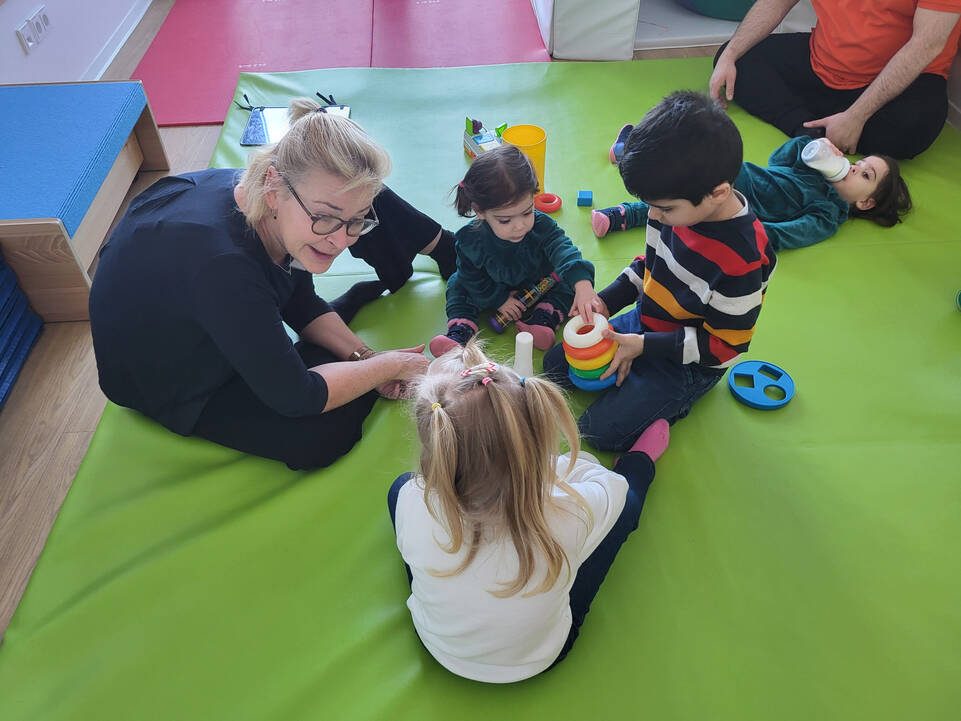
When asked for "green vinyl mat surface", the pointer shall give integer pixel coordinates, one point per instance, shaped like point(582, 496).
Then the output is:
point(789, 565)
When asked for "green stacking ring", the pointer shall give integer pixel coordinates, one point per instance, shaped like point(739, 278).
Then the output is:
point(596, 373)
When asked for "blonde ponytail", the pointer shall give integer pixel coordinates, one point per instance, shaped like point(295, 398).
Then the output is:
point(489, 449)
point(315, 141)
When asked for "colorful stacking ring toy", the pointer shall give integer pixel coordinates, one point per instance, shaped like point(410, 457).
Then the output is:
point(547, 202)
point(589, 353)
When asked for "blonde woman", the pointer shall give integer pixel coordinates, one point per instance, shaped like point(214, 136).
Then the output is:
point(194, 286)
point(506, 542)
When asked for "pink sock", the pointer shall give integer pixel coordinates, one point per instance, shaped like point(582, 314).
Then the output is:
point(653, 441)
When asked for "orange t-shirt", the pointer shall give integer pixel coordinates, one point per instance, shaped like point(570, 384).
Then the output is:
point(854, 39)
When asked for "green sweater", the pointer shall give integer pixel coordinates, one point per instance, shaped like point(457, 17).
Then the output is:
point(797, 206)
point(489, 268)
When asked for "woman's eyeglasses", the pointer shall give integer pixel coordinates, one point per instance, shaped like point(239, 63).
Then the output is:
point(327, 224)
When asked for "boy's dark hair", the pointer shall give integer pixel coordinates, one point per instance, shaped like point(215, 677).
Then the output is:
point(496, 178)
point(891, 197)
point(684, 147)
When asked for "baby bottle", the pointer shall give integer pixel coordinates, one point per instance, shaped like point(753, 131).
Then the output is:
point(819, 155)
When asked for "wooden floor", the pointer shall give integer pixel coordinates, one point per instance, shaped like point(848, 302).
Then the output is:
point(56, 403)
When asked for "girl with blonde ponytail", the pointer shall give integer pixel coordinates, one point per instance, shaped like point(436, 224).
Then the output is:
point(506, 541)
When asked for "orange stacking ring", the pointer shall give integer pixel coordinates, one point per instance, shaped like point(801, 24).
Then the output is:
point(547, 202)
point(595, 362)
point(589, 352)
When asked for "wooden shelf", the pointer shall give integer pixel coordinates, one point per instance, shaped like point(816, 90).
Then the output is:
point(53, 268)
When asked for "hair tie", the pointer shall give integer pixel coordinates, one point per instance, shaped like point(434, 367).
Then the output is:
point(435, 406)
point(460, 184)
point(523, 378)
point(485, 368)
point(486, 380)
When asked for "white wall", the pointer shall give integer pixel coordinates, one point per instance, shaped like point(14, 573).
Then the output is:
point(83, 38)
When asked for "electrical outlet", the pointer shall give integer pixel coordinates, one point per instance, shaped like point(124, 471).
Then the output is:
point(41, 23)
point(41, 17)
point(27, 36)
point(34, 29)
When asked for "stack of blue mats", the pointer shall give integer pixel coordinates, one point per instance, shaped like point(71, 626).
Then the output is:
point(19, 328)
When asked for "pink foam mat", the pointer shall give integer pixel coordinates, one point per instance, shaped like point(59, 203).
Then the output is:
point(448, 33)
point(190, 70)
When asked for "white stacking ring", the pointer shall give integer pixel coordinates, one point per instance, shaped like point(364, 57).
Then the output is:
point(585, 340)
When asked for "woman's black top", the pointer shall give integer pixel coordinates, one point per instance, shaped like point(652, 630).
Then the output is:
point(185, 297)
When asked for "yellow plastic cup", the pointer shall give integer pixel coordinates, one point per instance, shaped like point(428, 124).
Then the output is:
point(532, 141)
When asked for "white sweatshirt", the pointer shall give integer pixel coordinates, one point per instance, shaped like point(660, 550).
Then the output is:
point(480, 636)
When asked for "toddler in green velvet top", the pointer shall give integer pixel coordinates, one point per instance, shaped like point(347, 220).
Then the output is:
point(508, 246)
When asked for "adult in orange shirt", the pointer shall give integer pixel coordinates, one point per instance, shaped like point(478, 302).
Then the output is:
point(871, 76)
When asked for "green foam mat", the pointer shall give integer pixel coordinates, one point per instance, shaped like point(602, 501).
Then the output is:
point(793, 564)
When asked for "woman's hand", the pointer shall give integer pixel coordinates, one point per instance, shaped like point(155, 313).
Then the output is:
point(410, 363)
point(393, 390)
point(586, 301)
point(387, 372)
point(512, 308)
point(629, 347)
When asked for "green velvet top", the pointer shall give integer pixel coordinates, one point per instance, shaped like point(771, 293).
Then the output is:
point(796, 204)
point(489, 268)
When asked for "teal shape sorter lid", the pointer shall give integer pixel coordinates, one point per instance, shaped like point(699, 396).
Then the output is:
point(57, 144)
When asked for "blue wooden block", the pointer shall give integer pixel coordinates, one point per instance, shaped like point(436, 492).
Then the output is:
point(585, 198)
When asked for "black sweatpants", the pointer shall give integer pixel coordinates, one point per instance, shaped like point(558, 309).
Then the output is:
point(235, 417)
point(775, 82)
point(391, 247)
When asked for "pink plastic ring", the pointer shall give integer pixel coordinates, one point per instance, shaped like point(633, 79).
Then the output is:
point(547, 202)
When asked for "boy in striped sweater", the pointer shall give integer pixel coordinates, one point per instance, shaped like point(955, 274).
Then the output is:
point(698, 287)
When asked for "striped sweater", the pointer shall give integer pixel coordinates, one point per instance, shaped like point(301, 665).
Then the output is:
point(698, 289)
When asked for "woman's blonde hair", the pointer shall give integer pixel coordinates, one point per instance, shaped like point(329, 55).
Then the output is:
point(489, 452)
point(315, 141)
